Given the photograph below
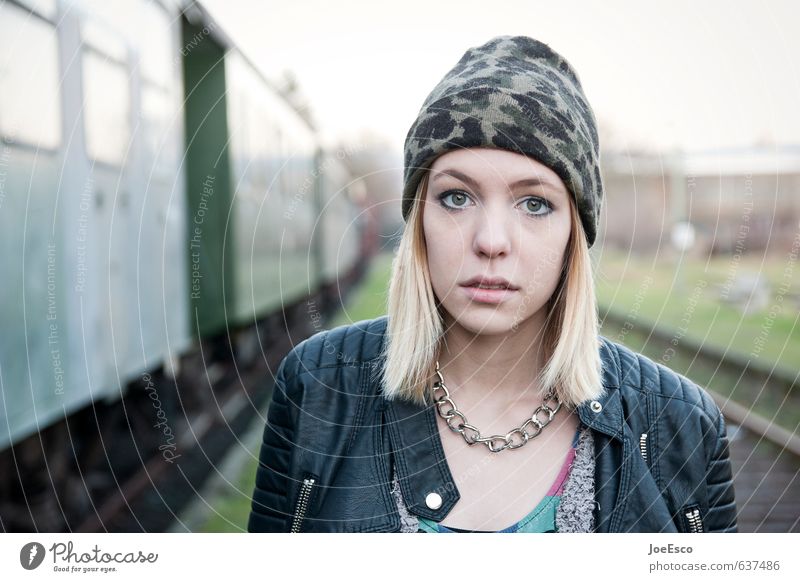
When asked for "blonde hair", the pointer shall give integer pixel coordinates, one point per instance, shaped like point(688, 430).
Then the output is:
point(415, 325)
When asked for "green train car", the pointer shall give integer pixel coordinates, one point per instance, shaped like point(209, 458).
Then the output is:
point(156, 192)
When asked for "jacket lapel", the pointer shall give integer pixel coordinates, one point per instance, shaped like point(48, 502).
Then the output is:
point(419, 459)
point(612, 449)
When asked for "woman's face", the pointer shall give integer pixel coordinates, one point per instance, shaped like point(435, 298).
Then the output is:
point(496, 214)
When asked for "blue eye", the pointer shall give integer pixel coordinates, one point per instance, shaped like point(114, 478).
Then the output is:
point(537, 204)
point(460, 199)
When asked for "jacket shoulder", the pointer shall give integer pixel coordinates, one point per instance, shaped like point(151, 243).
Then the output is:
point(345, 345)
point(638, 375)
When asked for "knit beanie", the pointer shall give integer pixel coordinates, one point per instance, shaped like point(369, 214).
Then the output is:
point(513, 93)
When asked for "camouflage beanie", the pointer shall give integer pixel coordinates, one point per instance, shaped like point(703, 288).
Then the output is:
point(517, 94)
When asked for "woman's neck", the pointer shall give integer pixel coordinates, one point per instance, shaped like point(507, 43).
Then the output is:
point(507, 365)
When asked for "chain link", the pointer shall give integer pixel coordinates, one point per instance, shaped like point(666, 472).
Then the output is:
point(513, 439)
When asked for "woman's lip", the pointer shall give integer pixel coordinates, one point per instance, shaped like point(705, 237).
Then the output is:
point(480, 295)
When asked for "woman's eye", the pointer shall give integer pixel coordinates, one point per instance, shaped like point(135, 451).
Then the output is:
point(537, 206)
point(458, 199)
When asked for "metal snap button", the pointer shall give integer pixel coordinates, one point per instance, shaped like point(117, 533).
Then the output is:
point(433, 500)
point(596, 406)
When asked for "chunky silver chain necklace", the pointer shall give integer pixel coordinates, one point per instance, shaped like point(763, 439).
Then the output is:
point(513, 439)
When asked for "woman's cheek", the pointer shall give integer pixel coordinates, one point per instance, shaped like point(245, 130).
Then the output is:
point(442, 247)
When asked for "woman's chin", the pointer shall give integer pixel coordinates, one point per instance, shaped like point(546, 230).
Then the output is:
point(488, 323)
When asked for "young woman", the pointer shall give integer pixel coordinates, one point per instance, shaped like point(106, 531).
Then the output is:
point(486, 400)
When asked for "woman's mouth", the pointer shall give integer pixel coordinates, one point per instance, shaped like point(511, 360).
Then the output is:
point(492, 294)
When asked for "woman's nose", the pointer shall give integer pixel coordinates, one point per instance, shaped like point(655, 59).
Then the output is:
point(492, 235)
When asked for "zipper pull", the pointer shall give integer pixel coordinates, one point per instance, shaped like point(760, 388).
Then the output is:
point(694, 519)
point(643, 445)
point(302, 504)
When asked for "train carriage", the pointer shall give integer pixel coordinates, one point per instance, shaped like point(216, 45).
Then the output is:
point(156, 192)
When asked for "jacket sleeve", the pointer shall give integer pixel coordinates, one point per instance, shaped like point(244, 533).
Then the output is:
point(721, 516)
point(270, 510)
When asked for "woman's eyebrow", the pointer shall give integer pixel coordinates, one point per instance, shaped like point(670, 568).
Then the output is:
point(457, 175)
point(538, 181)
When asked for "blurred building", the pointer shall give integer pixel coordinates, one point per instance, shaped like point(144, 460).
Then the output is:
point(738, 200)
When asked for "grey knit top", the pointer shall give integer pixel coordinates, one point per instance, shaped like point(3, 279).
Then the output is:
point(575, 510)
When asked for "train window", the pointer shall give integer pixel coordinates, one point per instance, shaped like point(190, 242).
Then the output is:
point(30, 103)
point(156, 58)
point(106, 108)
point(96, 34)
point(155, 130)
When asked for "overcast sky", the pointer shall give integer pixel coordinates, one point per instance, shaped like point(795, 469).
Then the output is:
point(694, 75)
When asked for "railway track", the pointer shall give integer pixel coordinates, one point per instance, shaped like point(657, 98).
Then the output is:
point(152, 498)
point(765, 456)
point(766, 479)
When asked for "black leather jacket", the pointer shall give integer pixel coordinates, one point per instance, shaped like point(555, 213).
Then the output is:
point(331, 442)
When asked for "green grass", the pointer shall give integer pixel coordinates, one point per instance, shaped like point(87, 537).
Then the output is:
point(686, 299)
point(232, 509)
point(369, 299)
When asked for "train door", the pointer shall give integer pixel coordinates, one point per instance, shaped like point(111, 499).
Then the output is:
point(107, 116)
point(209, 195)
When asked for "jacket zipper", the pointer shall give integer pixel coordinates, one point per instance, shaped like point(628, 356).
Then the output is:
point(302, 504)
point(694, 519)
point(643, 446)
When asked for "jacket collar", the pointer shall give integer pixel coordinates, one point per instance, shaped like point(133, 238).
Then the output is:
point(608, 419)
point(419, 457)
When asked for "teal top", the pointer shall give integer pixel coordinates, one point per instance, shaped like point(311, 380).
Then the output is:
point(541, 519)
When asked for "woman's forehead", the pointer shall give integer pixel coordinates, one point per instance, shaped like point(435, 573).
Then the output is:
point(490, 165)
